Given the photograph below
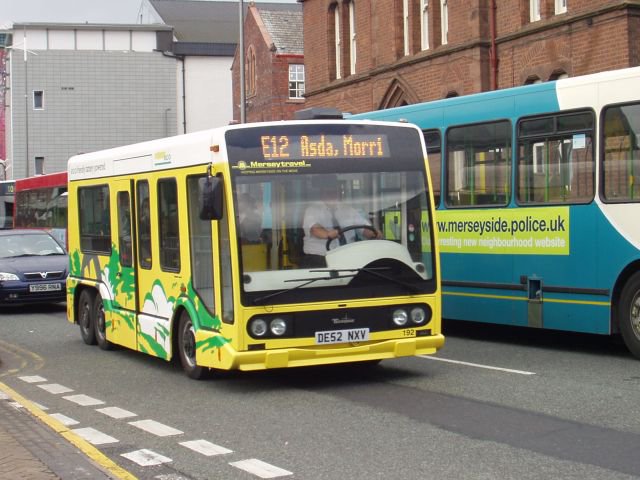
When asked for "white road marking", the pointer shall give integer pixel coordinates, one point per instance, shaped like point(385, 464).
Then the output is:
point(4, 396)
point(156, 428)
point(64, 419)
point(206, 448)
point(477, 365)
point(94, 436)
point(146, 458)
point(260, 468)
point(33, 379)
point(55, 388)
point(116, 412)
point(16, 405)
point(84, 400)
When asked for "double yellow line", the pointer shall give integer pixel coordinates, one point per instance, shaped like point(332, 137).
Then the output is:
point(25, 357)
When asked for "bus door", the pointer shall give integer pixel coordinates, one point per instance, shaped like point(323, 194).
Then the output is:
point(123, 328)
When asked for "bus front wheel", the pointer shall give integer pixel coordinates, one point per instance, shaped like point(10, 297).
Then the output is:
point(629, 314)
point(187, 348)
point(85, 317)
point(99, 324)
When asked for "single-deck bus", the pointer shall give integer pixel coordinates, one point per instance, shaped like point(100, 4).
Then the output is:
point(538, 202)
point(41, 202)
point(7, 198)
point(161, 265)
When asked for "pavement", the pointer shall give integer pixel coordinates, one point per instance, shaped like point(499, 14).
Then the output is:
point(35, 446)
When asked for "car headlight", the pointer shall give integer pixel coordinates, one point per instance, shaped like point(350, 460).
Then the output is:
point(418, 315)
point(258, 327)
point(8, 276)
point(400, 317)
point(278, 326)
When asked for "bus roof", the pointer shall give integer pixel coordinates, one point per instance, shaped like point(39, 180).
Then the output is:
point(39, 181)
point(173, 152)
point(511, 102)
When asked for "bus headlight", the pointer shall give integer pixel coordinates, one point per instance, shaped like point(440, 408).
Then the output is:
point(278, 326)
point(418, 315)
point(258, 327)
point(400, 317)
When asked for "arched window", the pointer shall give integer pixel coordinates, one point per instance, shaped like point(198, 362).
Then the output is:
point(558, 74)
point(424, 24)
point(444, 21)
point(352, 37)
point(532, 79)
point(250, 80)
point(337, 41)
point(405, 27)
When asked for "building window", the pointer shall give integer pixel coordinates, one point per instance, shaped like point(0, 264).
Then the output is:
point(405, 26)
point(561, 6)
point(250, 80)
point(352, 38)
point(337, 41)
point(424, 24)
point(296, 81)
point(444, 21)
point(38, 100)
point(534, 10)
point(39, 165)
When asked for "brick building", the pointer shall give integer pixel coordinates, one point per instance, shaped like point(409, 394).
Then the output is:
point(364, 55)
point(274, 63)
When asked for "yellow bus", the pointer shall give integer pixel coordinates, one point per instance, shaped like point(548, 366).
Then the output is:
point(195, 246)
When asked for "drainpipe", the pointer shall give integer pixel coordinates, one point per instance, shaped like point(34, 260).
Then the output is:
point(493, 55)
point(184, 88)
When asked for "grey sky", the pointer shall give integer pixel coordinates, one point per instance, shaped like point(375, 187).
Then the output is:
point(73, 11)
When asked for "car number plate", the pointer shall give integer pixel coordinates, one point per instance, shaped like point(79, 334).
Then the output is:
point(342, 336)
point(45, 287)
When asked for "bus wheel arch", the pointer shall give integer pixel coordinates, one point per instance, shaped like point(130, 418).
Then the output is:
point(84, 315)
point(628, 313)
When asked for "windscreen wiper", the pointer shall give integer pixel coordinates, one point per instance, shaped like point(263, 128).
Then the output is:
point(375, 271)
point(333, 274)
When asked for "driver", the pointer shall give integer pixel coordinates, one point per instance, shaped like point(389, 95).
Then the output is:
point(322, 221)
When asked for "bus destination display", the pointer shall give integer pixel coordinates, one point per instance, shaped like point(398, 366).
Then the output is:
point(300, 147)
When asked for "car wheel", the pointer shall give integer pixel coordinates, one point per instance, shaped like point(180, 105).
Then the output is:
point(100, 324)
point(85, 317)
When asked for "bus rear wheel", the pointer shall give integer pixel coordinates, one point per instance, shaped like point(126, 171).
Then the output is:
point(629, 314)
point(187, 348)
point(85, 317)
point(99, 324)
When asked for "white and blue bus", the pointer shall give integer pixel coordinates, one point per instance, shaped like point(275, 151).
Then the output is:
point(538, 202)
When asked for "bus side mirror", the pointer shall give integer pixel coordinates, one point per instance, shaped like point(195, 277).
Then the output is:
point(211, 199)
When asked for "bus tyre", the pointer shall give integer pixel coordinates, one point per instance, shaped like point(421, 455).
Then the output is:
point(629, 314)
point(187, 348)
point(100, 324)
point(85, 317)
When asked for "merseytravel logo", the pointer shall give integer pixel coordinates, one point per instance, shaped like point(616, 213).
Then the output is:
point(281, 166)
point(524, 231)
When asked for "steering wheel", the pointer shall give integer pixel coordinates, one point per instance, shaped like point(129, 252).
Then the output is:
point(341, 232)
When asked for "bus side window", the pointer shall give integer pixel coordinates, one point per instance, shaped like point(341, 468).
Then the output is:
point(124, 229)
point(169, 221)
point(144, 225)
